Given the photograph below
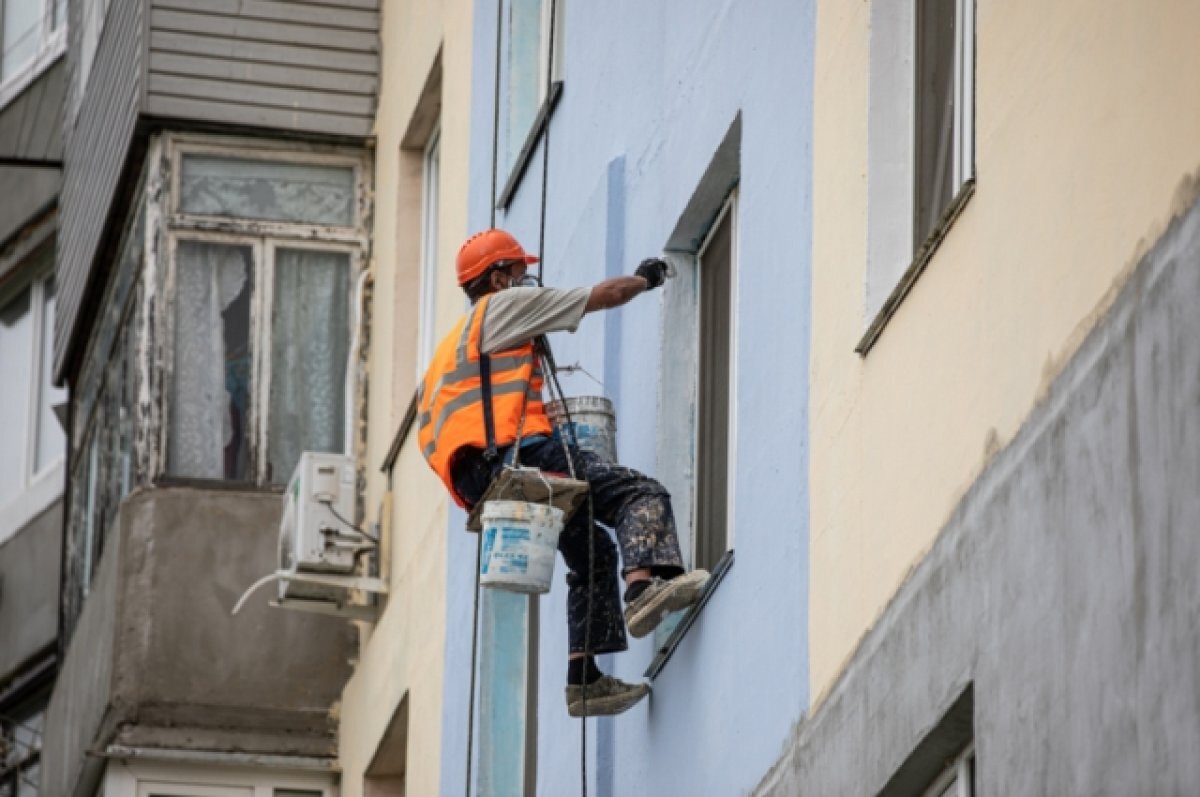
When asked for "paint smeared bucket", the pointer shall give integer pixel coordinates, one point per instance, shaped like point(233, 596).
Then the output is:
point(594, 421)
point(520, 541)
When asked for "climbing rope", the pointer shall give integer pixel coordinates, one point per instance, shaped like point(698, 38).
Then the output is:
point(479, 537)
point(550, 368)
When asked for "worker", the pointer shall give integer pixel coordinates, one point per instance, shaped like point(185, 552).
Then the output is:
point(507, 315)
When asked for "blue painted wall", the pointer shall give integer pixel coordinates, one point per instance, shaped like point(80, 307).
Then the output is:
point(650, 91)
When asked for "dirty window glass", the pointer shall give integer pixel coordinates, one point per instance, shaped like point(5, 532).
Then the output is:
point(16, 364)
point(310, 340)
point(268, 190)
point(210, 432)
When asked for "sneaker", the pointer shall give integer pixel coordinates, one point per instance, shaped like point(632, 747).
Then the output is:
point(605, 697)
point(647, 610)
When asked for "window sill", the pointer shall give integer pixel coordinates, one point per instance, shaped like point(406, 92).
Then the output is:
point(665, 651)
point(540, 123)
point(914, 271)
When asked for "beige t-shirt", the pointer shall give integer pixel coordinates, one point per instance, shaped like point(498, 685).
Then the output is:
point(515, 315)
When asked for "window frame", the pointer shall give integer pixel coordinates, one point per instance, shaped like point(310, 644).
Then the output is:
point(141, 777)
point(895, 258)
point(958, 772)
point(729, 209)
point(264, 237)
point(39, 487)
point(262, 302)
point(52, 43)
point(547, 99)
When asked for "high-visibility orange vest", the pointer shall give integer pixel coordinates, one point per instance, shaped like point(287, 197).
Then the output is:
point(450, 398)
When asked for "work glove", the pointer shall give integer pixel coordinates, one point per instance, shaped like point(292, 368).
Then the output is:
point(653, 270)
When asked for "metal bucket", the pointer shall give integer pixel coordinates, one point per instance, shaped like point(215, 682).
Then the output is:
point(594, 421)
point(520, 541)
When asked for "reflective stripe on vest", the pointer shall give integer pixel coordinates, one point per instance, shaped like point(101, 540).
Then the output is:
point(450, 397)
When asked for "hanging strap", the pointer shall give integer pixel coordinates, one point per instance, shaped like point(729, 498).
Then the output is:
point(490, 454)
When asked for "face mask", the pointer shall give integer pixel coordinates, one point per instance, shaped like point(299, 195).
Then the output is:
point(527, 281)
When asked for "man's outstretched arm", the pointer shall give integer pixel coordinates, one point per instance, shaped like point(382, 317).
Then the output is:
point(619, 290)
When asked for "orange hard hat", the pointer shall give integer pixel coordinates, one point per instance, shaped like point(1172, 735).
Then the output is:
point(484, 249)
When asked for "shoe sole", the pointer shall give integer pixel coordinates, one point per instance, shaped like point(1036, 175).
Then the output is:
point(606, 706)
point(685, 591)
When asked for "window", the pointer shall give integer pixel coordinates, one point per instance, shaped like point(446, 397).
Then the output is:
point(944, 123)
point(529, 61)
point(262, 314)
point(958, 780)
point(943, 762)
point(718, 258)
point(146, 778)
point(35, 445)
point(429, 251)
point(921, 141)
point(30, 30)
point(21, 745)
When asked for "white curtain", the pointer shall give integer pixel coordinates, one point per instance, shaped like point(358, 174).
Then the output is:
point(210, 412)
point(310, 343)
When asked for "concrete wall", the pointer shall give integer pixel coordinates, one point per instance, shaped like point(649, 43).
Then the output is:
point(1084, 134)
point(425, 82)
point(157, 661)
point(650, 92)
point(1063, 587)
point(29, 565)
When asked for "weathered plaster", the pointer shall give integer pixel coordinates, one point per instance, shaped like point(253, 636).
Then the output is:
point(1062, 587)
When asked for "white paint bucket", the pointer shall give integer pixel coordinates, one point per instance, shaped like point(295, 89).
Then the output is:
point(594, 421)
point(520, 542)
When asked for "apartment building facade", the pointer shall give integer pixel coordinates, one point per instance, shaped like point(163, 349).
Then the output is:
point(390, 712)
point(1004, 407)
point(680, 130)
point(213, 237)
point(32, 448)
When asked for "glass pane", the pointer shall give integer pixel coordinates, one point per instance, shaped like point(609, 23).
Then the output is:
point(524, 65)
point(310, 341)
point(210, 419)
point(16, 366)
point(269, 190)
point(22, 28)
point(51, 440)
point(935, 114)
point(712, 447)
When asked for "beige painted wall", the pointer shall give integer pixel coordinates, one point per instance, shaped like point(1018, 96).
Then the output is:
point(402, 655)
point(1088, 138)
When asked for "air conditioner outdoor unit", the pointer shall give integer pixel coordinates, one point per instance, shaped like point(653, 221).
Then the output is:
point(319, 545)
point(316, 534)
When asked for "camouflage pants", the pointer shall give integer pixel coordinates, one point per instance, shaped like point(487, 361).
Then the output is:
point(635, 506)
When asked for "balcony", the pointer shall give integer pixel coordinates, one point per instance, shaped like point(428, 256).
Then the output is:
point(157, 663)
